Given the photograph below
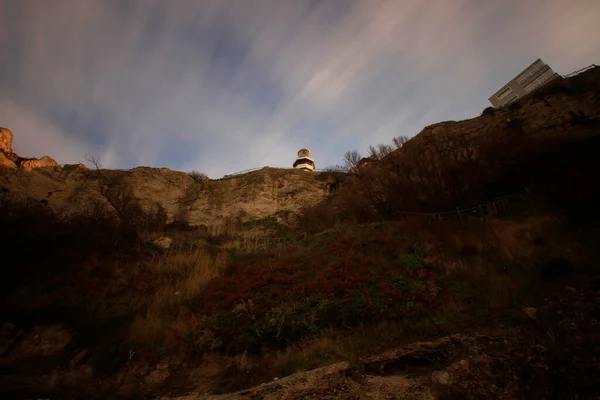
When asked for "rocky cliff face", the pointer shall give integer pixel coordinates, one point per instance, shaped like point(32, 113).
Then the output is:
point(74, 190)
point(6, 139)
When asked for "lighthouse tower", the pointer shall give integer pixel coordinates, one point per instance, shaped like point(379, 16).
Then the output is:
point(304, 161)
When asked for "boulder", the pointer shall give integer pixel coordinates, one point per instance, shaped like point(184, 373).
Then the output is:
point(6, 139)
point(164, 242)
point(5, 162)
point(44, 162)
point(75, 167)
point(441, 379)
point(530, 312)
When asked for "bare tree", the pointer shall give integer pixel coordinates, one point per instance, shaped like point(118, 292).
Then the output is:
point(198, 176)
point(94, 161)
point(351, 159)
point(399, 141)
point(380, 151)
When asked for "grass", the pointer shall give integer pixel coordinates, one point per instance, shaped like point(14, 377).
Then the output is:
point(178, 277)
point(358, 276)
point(348, 292)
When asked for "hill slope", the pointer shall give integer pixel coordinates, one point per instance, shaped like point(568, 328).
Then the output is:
point(396, 301)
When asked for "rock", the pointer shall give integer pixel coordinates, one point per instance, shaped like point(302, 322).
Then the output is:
point(441, 381)
point(571, 289)
point(425, 353)
point(44, 162)
point(6, 163)
point(6, 139)
point(440, 378)
point(164, 242)
point(74, 167)
point(530, 312)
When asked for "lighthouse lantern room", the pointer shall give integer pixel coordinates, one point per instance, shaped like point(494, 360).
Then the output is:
point(304, 161)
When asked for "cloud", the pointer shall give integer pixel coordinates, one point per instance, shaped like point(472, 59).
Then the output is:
point(223, 85)
point(38, 137)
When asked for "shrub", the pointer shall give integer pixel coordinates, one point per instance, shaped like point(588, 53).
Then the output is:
point(489, 111)
point(198, 176)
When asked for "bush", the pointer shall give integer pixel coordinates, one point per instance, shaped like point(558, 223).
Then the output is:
point(198, 176)
point(489, 111)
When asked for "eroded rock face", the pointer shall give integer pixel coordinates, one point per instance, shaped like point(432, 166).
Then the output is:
point(6, 163)
point(6, 139)
point(44, 162)
point(76, 191)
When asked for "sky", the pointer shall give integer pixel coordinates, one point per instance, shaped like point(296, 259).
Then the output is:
point(227, 85)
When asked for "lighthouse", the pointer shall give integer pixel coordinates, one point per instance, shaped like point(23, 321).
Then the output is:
point(304, 161)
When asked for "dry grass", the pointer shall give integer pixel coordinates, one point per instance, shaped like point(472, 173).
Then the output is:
point(179, 277)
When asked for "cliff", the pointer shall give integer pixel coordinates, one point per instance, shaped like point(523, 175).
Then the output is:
point(74, 190)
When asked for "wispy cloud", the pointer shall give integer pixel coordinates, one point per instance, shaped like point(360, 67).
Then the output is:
point(227, 85)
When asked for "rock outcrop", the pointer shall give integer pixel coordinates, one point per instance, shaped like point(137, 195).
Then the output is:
point(44, 162)
point(6, 162)
point(6, 139)
point(10, 160)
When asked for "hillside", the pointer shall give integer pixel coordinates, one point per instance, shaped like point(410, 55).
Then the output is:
point(546, 142)
point(284, 284)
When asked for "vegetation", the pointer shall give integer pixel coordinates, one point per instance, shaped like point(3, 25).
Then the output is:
point(356, 275)
point(259, 312)
point(198, 176)
point(352, 158)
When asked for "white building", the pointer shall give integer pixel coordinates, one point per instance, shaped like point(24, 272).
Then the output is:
point(537, 74)
point(304, 161)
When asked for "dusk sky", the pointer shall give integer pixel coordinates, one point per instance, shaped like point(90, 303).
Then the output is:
point(226, 85)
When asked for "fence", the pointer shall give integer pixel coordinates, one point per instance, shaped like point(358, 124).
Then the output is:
point(265, 243)
point(490, 207)
point(258, 168)
point(579, 71)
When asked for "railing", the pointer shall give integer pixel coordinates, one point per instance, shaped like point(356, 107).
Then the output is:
point(241, 172)
point(579, 71)
point(267, 243)
point(258, 168)
point(490, 207)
